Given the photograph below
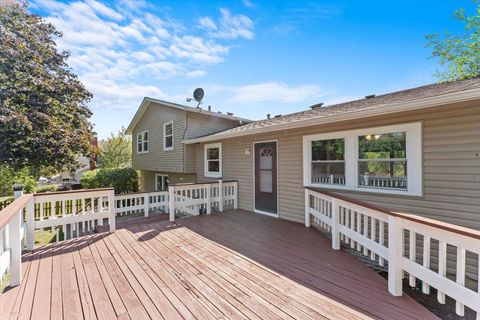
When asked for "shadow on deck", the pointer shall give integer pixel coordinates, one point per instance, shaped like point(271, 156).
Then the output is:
point(235, 265)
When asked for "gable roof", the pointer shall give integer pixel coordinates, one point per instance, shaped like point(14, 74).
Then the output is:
point(410, 99)
point(148, 101)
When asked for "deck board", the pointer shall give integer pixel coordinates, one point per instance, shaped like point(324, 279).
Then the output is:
point(235, 265)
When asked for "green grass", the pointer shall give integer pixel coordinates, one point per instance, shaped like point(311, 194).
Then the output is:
point(43, 237)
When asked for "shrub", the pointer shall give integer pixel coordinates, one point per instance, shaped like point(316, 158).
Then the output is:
point(123, 180)
point(47, 188)
point(10, 176)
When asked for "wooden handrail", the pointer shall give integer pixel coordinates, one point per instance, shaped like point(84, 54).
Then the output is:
point(200, 183)
point(415, 218)
point(13, 208)
point(71, 191)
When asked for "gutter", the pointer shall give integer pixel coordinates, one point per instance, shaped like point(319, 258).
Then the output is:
point(458, 97)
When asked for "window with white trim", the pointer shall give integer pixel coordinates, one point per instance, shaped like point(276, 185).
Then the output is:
point(142, 142)
point(213, 160)
point(168, 136)
point(328, 161)
point(384, 159)
point(161, 182)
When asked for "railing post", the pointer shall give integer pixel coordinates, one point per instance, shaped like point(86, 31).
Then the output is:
point(146, 204)
point(30, 225)
point(395, 256)
point(335, 225)
point(111, 207)
point(307, 208)
point(171, 203)
point(220, 195)
point(209, 199)
point(235, 193)
point(15, 241)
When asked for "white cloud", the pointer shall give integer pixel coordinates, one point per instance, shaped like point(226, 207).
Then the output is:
point(196, 74)
point(249, 4)
point(272, 92)
point(229, 26)
point(122, 51)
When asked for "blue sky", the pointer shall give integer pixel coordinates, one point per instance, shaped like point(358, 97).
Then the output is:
point(251, 57)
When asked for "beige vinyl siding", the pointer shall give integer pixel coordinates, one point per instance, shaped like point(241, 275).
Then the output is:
point(157, 159)
point(451, 165)
point(190, 158)
point(199, 125)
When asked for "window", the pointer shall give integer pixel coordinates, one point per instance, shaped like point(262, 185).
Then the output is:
point(328, 161)
point(161, 182)
point(168, 136)
point(213, 160)
point(383, 160)
point(142, 142)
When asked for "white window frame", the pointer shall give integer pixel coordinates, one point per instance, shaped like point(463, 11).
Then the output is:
point(148, 141)
point(413, 149)
point(164, 180)
point(207, 173)
point(165, 148)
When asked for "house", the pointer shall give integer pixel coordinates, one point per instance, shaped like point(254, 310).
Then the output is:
point(412, 151)
point(158, 129)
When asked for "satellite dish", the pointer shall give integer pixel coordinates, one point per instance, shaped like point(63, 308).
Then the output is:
point(198, 95)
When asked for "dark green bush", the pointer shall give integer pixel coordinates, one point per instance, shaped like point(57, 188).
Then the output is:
point(47, 188)
point(123, 180)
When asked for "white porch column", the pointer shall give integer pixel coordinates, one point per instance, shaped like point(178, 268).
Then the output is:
point(15, 241)
point(111, 208)
point(220, 195)
point(146, 204)
point(307, 208)
point(171, 203)
point(395, 255)
point(335, 225)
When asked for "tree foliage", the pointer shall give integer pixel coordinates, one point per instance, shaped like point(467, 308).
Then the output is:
point(123, 180)
point(44, 118)
point(116, 151)
point(9, 177)
point(459, 53)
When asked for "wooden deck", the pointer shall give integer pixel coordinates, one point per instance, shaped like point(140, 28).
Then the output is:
point(235, 265)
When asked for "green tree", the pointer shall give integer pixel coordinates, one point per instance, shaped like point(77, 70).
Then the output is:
point(116, 151)
point(44, 118)
point(459, 53)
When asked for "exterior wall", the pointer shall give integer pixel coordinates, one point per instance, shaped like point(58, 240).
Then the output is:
point(147, 179)
point(157, 159)
point(451, 165)
point(199, 125)
point(187, 125)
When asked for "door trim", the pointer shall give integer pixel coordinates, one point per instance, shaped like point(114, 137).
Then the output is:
point(275, 215)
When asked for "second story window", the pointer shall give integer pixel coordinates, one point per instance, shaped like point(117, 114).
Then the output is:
point(168, 136)
point(142, 142)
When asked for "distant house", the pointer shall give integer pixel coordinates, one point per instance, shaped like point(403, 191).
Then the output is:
point(158, 130)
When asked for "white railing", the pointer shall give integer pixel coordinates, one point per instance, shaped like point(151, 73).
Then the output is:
point(382, 182)
point(386, 236)
point(141, 203)
point(12, 234)
point(189, 200)
point(196, 199)
point(74, 213)
point(329, 179)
